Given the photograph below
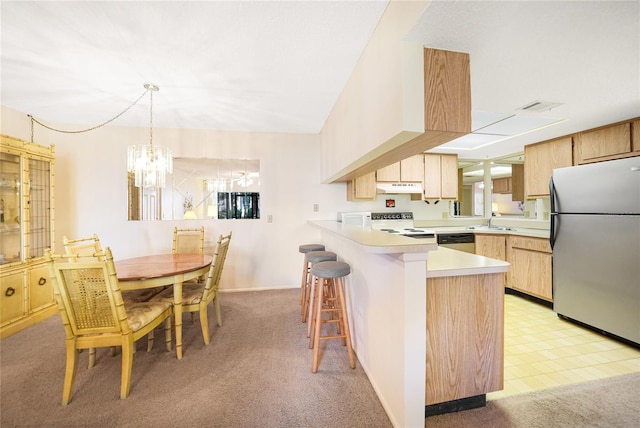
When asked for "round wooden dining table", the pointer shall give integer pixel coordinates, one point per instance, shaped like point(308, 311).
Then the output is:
point(161, 270)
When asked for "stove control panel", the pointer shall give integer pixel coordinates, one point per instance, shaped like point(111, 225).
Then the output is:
point(392, 216)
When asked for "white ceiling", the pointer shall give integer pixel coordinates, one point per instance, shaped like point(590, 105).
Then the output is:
point(279, 66)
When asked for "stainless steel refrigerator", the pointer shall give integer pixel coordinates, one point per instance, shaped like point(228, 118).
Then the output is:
point(595, 237)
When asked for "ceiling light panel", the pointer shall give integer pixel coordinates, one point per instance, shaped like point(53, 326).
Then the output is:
point(518, 124)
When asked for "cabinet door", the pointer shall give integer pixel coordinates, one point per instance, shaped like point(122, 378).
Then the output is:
point(603, 143)
point(412, 169)
point(635, 135)
point(539, 161)
point(449, 170)
point(501, 185)
point(517, 182)
point(363, 187)
point(12, 297)
point(432, 173)
point(530, 260)
point(494, 246)
point(533, 273)
point(389, 173)
point(40, 288)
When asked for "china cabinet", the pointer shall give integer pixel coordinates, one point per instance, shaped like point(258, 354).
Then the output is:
point(26, 231)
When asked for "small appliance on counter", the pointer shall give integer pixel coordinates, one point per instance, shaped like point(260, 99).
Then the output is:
point(358, 218)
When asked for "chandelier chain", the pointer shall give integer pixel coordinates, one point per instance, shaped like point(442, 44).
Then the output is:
point(33, 119)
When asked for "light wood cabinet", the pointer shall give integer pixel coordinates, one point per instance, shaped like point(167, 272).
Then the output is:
point(440, 176)
point(390, 173)
point(530, 271)
point(407, 170)
point(465, 337)
point(26, 231)
point(362, 188)
point(539, 161)
point(492, 245)
point(412, 169)
point(635, 135)
point(606, 143)
point(501, 185)
point(517, 182)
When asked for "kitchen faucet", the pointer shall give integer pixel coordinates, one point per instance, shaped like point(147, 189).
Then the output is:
point(489, 222)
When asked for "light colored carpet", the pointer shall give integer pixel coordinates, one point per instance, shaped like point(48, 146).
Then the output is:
point(256, 373)
point(608, 403)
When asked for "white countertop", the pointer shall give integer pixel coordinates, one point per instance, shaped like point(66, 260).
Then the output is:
point(518, 231)
point(375, 241)
point(441, 261)
point(449, 262)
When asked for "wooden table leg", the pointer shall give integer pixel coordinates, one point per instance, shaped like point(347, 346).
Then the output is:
point(177, 313)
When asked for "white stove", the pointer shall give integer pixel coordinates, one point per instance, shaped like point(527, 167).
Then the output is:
point(400, 223)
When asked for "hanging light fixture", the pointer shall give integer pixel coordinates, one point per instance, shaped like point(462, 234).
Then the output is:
point(150, 164)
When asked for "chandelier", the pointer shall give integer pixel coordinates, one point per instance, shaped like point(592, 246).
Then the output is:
point(149, 164)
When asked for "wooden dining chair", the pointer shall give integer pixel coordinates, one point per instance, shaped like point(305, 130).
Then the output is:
point(197, 296)
point(188, 241)
point(94, 314)
point(90, 249)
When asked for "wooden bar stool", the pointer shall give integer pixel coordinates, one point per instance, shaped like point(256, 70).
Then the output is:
point(312, 258)
point(329, 298)
point(307, 248)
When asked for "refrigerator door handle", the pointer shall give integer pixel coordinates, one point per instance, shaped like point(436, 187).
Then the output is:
point(553, 213)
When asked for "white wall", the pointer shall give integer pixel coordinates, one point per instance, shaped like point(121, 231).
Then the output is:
point(382, 104)
point(91, 195)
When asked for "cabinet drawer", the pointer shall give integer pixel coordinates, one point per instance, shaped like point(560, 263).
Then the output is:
point(531, 244)
point(40, 288)
point(12, 302)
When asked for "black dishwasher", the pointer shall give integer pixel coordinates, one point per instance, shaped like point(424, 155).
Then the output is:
point(458, 241)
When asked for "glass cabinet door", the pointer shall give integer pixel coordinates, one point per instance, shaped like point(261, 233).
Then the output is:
point(10, 209)
point(39, 207)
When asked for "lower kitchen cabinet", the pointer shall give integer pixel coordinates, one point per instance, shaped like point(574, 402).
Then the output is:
point(530, 260)
point(465, 337)
point(492, 245)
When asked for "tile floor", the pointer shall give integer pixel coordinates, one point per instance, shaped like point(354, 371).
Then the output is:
point(543, 351)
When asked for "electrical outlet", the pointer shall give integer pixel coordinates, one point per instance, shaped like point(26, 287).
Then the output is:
point(316, 208)
point(269, 218)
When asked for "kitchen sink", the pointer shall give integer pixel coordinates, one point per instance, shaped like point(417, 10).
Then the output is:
point(490, 228)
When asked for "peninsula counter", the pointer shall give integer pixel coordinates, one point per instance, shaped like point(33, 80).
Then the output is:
point(387, 294)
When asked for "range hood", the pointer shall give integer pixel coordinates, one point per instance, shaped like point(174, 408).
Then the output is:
point(398, 188)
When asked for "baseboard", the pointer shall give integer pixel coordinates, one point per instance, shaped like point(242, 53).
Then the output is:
point(455, 405)
point(238, 290)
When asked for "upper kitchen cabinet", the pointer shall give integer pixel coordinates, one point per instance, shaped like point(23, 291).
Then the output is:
point(539, 161)
point(26, 231)
point(440, 176)
point(604, 143)
point(412, 169)
point(407, 170)
point(362, 188)
point(502, 185)
point(517, 182)
point(635, 135)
